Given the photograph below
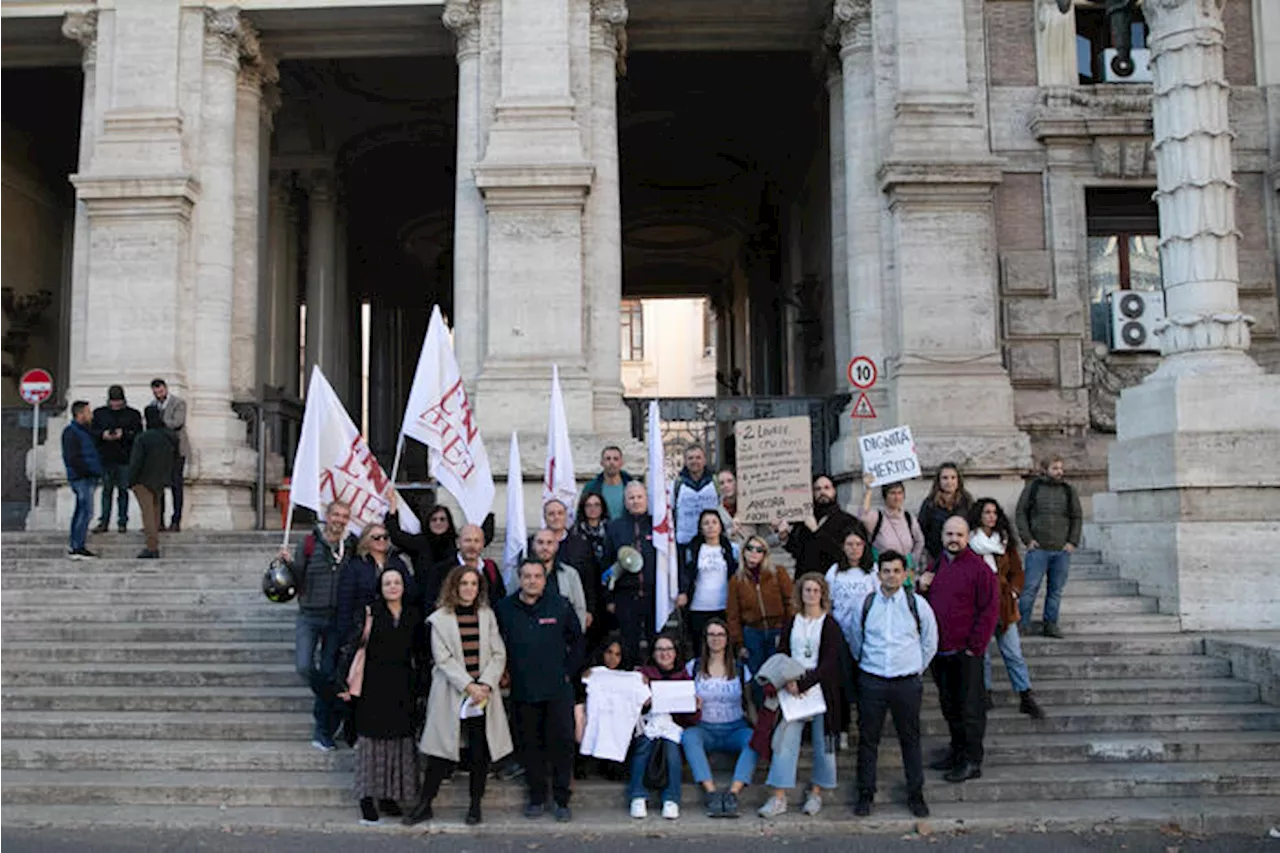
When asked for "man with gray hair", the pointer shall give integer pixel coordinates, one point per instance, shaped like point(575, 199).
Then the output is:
point(631, 596)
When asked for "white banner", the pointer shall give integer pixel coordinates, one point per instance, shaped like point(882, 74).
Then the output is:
point(517, 530)
point(439, 415)
point(667, 585)
point(890, 455)
point(558, 481)
point(334, 462)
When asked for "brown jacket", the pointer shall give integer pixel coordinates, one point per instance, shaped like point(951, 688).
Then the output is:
point(1011, 579)
point(766, 605)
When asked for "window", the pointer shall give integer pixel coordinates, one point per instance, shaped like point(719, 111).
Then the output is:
point(1093, 36)
point(632, 330)
point(1124, 239)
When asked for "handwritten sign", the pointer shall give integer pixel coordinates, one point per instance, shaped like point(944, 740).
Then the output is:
point(774, 470)
point(890, 455)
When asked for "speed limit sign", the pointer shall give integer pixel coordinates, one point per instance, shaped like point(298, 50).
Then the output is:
point(862, 373)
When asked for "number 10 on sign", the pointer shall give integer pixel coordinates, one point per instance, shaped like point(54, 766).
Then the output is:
point(862, 373)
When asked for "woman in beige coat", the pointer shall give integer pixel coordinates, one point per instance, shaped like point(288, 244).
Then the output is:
point(469, 659)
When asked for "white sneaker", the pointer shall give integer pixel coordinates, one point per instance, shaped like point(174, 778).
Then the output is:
point(670, 810)
point(772, 808)
point(812, 804)
point(639, 808)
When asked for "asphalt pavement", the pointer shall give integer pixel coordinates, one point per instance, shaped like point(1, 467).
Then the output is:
point(374, 841)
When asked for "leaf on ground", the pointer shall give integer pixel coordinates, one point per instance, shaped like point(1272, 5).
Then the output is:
point(1172, 829)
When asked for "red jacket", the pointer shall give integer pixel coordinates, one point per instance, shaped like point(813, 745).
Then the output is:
point(965, 597)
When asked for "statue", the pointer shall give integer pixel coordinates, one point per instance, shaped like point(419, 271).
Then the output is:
point(1056, 44)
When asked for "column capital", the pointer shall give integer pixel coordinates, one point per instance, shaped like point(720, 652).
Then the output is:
point(82, 27)
point(222, 35)
point(462, 18)
point(609, 28)
point(1183, 14)
point(850, 25)
point(320, 185)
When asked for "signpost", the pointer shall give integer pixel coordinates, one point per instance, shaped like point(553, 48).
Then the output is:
point(35, 387)
point(862, 375)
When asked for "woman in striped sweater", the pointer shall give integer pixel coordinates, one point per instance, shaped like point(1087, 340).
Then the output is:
point(469, 658)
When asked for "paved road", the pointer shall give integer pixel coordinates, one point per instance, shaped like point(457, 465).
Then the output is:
point(199, 841)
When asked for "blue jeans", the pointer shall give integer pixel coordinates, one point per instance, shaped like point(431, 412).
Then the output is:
point(1038, 562)
point(720, 737)
point(786, 754)
point(83, 490)
point(115, 483)
point(641, 748)
point(1010, 646)
point(316, 666)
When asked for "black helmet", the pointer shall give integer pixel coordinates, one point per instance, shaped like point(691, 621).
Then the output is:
point(278, 583)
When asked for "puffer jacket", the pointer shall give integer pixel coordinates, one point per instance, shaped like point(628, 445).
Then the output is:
point(1049, 514)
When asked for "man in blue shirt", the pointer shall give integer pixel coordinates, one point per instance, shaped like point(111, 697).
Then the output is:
point(894, 637)
point(84, 470)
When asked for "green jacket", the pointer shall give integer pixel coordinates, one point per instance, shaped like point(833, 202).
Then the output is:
point(1049, 513)
point(151, 462)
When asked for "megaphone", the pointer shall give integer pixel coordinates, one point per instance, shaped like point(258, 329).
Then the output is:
point(629, 561)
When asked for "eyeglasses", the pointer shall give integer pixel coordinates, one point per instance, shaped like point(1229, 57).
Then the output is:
point(755, 549)
point(378, 537)
point(664, 649)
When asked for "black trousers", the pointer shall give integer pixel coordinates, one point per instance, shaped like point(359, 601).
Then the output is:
point(438, 769)
point(175, 486)
point(901, 697)
point(546, 747)
point(635, 625)
point(963, 699)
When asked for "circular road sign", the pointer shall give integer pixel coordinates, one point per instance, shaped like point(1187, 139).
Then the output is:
point(862, 373)
point(36, 386)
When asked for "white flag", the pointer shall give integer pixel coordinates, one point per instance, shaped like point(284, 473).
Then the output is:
point(517, 531)
point(439, 415)
point(667, 585)
point(334, 462)
point(558, 482)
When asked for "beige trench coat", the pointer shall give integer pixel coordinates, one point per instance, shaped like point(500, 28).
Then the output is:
point(449, 678)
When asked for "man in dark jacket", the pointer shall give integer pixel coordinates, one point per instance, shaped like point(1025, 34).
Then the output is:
point(965, 596)
point(544, 648)
point(317, 567)
point(1049, 522)
point(84, 469)
point(818, 542)
point(150, 470)
point(631, 597)
point(116, 426)
point(611, 483)
point(572, 550)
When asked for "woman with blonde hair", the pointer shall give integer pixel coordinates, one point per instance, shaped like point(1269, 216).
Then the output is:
point(759, 601)
point(813, 640)
point(469, 658)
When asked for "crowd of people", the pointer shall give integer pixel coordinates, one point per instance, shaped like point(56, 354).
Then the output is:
point(122, 449)
point(435, 665)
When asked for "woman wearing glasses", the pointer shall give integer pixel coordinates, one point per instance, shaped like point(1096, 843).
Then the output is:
point(758, 602)
point(358, 583)
point(720, 680)
point(660, 731)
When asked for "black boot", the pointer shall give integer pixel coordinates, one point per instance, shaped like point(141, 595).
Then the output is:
point(964, 770)
point(390, 808)
point(1030, 706)
point(473, 814)
point(421, 812)
point(368, 811)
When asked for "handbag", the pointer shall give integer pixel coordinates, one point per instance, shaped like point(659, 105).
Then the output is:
point(355, 674)
point(655, 769)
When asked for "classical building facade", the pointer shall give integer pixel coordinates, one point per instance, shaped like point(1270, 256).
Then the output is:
point(960, 189)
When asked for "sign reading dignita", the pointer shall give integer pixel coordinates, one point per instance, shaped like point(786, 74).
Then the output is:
point(774, 469)
point(890, 455)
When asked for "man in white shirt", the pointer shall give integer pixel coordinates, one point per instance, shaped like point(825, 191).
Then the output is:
point(893, 642)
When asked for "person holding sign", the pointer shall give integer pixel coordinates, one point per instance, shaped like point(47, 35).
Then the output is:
point(813, 640)
point(818, 542)
point(892, 528)
point(660, 729)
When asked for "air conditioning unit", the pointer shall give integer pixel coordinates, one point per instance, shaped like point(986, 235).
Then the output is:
point(1141, 66)
point(1134, 315)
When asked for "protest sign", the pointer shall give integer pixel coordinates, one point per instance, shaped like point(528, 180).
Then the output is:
point(890, 455)
point(774, 469)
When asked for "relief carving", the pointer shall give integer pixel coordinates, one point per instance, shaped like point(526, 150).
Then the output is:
point(1105, 378)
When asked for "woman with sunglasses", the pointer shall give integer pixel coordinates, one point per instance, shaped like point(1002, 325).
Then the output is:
point(660, 731)
point(724, 726)
point(757, 603)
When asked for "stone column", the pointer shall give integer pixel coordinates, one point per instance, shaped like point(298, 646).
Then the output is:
point(462, 17)
point(1194, 473)
point(279, 313)
point(83, 28)
point(290, 318)
point(604, 220)
point(321, 280)
point(839, 237)
point(343, 343)
point(255, 71)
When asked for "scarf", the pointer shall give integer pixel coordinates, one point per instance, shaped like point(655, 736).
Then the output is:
point(987, 547)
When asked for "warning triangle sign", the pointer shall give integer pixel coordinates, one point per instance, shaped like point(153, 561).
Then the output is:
point(862, 408)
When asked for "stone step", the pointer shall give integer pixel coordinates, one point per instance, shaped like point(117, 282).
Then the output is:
point(279, 631)
point(22, 652)
point(1116, 667)
point(194, 725)
point(1108, 719)
point(148, 676)
point(1130, 691)
point(1080, 606)
point(1106, 645)
point(221, 537)
point(1055, 783)
point(295, 699)
point(246, 597)
point(213, 578)
point(267, 612)
point(126, 548)
point(1129, 623)
point(167, 566)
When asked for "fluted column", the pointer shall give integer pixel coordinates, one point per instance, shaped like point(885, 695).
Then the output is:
point(281, 306)
point(604, 219)
point(1196, 192)
point(321, 284)
point(839, 237)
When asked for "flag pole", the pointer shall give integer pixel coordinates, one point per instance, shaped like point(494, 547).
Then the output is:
point(395, 466)
point(288, 525)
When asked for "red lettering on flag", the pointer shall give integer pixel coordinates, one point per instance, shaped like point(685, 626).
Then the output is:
point(452, 421)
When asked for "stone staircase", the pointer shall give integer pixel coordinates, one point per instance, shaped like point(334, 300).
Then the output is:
point(134, 685)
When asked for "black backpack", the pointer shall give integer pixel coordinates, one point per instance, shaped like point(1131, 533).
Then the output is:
point(875, 534)
point(911, 605)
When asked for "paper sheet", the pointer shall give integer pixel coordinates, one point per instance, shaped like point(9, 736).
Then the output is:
point(673, 697)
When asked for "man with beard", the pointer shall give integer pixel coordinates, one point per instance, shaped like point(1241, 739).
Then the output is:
point(965, 596)
point(570, 550)
point(1049, 522)
point(817, 542)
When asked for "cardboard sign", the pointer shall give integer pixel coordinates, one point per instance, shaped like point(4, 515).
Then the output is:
point(890, 455)
point(775, 470)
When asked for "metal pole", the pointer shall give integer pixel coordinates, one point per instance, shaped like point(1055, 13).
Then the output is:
point(35, 452)
point(260, 514)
